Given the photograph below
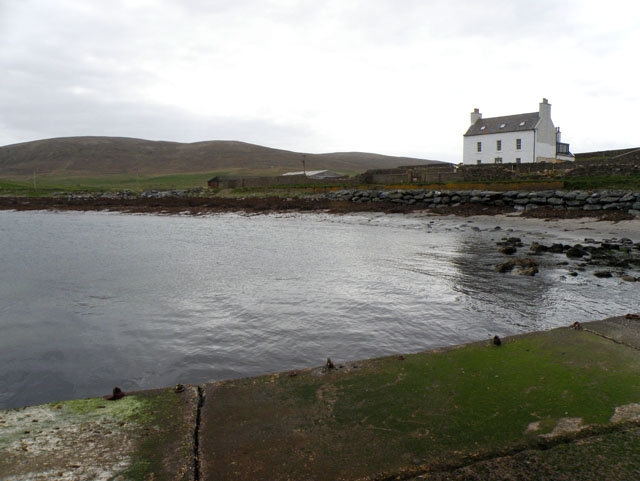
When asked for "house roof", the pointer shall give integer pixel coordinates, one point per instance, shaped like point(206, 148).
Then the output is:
point(512, 123)
point(316, 173)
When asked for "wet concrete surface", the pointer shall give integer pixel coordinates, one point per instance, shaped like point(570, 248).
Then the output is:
point(431, 414)
point(623, 329)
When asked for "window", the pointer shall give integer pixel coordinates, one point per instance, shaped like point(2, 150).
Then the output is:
point(502, 126)
point(498, 145)
point(522, 124)
point(498, 160)
point(518, 144)
point(479, 162)
point(479, 147)
point(483, 127)
point(518, 160)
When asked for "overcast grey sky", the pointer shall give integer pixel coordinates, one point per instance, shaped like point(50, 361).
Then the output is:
point(389, 76)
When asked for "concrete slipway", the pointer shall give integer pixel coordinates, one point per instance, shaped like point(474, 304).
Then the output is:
point(559, 404)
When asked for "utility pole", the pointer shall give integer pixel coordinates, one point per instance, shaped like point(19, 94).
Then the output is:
point(304, 163)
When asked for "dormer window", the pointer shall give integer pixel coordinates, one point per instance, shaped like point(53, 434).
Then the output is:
point(502, 126)
point(483, 127)
point(522, 124)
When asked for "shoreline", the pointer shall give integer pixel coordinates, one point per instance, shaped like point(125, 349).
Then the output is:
point(173, 205)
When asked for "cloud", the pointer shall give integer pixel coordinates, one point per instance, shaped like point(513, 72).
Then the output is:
point(375, 75)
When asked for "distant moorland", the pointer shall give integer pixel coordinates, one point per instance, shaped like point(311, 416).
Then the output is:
point(115, 156)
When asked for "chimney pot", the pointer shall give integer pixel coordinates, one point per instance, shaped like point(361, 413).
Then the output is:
point(477, 111)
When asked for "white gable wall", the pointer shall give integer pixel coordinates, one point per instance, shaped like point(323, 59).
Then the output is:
point(545, 134)
point(509, 153)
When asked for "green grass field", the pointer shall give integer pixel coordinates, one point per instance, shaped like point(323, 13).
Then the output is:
point(623, 182)
point(46, 186)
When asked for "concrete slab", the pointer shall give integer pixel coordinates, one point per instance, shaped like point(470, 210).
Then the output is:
point(611, 456)
point(145, 435)
point(418, 413)
point(624, 329)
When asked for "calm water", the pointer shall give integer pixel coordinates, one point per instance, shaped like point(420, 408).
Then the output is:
point(89, 301)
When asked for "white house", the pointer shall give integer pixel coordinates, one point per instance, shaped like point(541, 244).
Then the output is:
point(516, 138)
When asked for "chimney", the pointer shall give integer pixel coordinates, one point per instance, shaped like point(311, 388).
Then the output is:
point(545, 109)
point(475, 116)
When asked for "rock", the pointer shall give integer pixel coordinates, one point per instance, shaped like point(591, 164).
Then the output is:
point(538, 248)
point(581, 196)
point(592, 207)
point(527, 266)
point(556, 248)
point(629, 278)
point(603, 274)
point(576, 252)
point(508, 249)
point(612, 206)
point(628, 197)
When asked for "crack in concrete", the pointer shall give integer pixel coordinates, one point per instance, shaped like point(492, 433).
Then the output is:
point(542, 444)
point(611, 339)
point(196, 435)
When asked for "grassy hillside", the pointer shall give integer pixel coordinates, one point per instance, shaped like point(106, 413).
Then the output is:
point(97, 157)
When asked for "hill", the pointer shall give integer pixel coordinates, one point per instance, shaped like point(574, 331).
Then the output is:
point(103, 156)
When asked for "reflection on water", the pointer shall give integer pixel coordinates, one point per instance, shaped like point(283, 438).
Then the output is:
point(89, 301)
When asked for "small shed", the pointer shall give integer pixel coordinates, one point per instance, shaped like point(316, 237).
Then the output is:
point(214, 182)
point(319, 174)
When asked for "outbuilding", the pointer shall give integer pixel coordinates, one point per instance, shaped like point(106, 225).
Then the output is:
point(214, 182)
point(319, 174)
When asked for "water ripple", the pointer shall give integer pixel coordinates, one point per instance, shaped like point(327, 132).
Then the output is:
point(146, 301)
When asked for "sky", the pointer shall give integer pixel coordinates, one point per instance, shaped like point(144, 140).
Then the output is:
point(396, 77)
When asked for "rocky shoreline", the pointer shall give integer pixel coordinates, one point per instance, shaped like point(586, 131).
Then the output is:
point(606, 204)
point(608, 257)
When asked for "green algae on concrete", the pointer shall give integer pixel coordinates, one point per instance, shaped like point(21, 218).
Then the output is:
point(145, 435)
point(611, 455)
point(402, 416)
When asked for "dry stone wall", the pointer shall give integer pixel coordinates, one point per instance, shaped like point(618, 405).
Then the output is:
point(574, 200)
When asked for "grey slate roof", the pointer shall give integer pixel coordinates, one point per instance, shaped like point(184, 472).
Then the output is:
point(512, 124)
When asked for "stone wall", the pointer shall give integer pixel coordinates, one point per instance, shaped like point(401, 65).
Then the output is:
point(627, 165)
point(280, 180)
point(574, 200)
point(632, 153)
